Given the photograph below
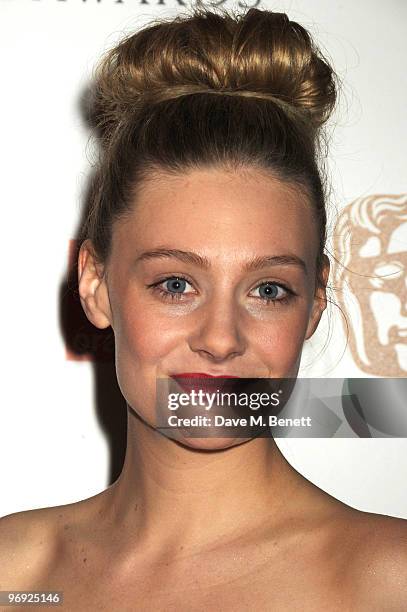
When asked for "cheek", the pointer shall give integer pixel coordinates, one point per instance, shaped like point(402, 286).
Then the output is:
point(142, 343)
point(141, 335)
point(279, 342)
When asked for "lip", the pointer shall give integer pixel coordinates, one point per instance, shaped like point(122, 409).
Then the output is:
point(202, 375)
point(194, 381)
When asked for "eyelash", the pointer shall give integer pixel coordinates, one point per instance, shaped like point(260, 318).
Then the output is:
point(168, 296)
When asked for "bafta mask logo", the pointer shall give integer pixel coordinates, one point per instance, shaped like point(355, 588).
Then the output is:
point(370, 245)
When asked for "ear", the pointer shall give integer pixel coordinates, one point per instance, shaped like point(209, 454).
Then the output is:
point(92, 287)
point(320, 300)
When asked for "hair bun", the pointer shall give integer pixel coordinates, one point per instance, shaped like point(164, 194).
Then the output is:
point(259, 51)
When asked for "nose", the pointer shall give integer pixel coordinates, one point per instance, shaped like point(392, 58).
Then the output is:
point(218, 335)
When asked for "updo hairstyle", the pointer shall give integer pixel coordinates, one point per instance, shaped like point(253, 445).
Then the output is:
point(208, 90)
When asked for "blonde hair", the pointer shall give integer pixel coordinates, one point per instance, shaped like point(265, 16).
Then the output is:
point(153, 108)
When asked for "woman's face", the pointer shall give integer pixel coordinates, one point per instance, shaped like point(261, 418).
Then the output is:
point(235, 309)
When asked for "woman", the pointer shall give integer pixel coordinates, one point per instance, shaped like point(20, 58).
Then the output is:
point(204, 250)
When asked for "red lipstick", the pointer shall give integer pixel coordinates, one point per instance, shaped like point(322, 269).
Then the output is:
point(194, 381)
point(201, 375)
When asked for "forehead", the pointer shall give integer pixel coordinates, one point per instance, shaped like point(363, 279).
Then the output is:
point(213, 209)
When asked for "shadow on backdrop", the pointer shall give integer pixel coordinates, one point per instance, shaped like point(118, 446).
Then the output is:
point(85, 342)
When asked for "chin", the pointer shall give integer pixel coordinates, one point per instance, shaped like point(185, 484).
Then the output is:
point(207, 443)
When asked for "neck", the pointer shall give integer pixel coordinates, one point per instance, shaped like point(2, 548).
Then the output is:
point(170, 496)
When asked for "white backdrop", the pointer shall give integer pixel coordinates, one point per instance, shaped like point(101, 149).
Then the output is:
point(53, 450)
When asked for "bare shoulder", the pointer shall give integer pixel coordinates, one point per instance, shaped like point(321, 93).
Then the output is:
point(31, 540)
point(377, 571)
point(24, 546)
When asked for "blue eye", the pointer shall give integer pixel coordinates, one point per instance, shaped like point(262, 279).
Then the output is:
point(269, 291)
point(178, 284)
point(176, 287)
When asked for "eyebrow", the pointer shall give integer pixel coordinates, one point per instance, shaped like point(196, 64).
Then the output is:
point(201, 261)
